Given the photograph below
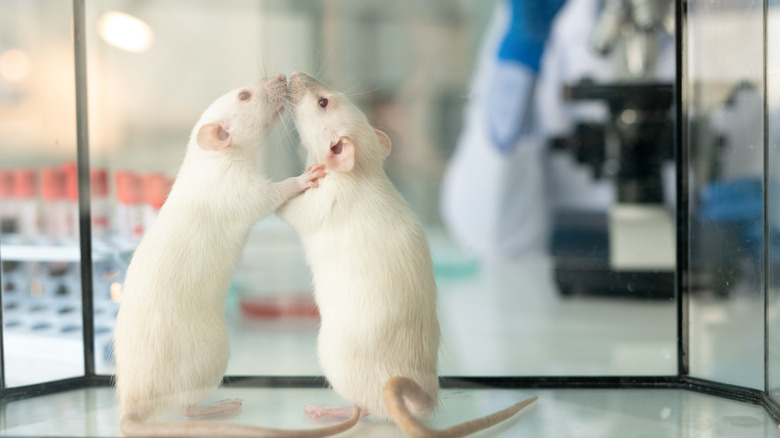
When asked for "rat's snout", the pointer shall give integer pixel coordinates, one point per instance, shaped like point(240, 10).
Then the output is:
point(299, 83)
point(279, 77)
point(276, 86)
point(302, 78)
point(299, 74)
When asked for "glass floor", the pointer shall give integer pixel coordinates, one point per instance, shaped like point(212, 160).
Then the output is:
point(558, 413)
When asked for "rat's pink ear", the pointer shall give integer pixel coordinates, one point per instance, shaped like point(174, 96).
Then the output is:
point(384, 140)
point(213, 137)
point(341, 156)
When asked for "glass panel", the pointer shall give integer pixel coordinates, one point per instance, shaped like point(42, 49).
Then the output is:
point(773, 207)
point(726, 127)
point(586, 296)
point(38, 200)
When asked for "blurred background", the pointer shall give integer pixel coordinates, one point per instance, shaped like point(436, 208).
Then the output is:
point(535, 140)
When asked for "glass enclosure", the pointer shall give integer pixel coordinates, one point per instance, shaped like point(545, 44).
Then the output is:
point(601, 212)
point(429, 99)
point(40, 257)
point(726, 132)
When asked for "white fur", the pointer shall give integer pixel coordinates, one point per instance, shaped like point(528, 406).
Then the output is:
point(170, 341)
point(371, 265)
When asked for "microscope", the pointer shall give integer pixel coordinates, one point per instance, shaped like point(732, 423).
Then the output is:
point(629, 250)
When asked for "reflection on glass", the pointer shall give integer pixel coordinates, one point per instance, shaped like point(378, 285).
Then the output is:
point(553, 245)
point(41, 291)
point(726, 128)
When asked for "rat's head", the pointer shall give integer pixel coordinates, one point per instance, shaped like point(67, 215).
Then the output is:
point(237, 121)
point(333, 130)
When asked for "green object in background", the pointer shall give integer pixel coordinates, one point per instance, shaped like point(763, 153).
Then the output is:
point(449, 261)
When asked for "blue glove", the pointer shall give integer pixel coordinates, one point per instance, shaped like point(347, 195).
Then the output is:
point(511, 90)
point(739, 200)
point(739, 203)
point(528, 31)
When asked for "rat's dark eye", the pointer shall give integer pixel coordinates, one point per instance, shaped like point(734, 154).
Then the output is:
point(323, 102)
point(244, 95)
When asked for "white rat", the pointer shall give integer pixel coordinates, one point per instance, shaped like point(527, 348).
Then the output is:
point(372, 270)
point(170, 341)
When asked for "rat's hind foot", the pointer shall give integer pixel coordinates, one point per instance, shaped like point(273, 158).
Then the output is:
point(227, 405)
point(317, 411)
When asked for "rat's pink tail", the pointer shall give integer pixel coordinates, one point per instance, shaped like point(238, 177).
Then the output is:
point(399, 388)
point(132, 426)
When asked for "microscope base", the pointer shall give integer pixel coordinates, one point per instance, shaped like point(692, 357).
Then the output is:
point(584, 263)
point(595, 278)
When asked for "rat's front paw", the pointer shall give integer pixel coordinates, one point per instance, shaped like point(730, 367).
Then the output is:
point(310, 178)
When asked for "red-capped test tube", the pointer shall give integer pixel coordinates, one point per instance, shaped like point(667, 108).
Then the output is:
point(8, 216)
point(26, 203)
point(55, 207)
point(70, 170)
point(101, 206)
point(129, 208)
point(156, 187)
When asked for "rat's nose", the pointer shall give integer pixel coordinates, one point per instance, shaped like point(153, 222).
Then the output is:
point(298, 83)
point(280, 77)
point(300, 76)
